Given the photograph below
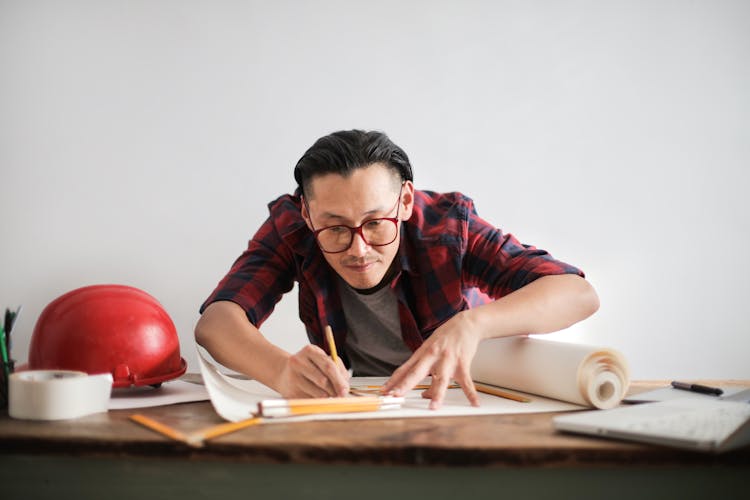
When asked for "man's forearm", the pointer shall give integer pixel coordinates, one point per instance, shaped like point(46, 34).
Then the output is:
point(224, 331)
point(548, 304)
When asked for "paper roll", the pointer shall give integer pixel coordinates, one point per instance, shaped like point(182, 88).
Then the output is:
point(57, 394)
point(581, 374)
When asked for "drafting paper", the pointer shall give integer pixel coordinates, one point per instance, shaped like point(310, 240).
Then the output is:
point(236, 400)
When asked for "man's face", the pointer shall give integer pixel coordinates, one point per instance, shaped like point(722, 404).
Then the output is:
point(368, 193)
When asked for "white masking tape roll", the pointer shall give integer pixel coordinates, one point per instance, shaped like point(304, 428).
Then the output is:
point(57, 394)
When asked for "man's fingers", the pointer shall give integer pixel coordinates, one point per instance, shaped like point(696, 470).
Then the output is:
point(320, 371)
point(437, 390)
point(310, 389)
point(340, 379)
point(308, 381)
point(330, 376)
point(467, 385)
point(397, 376)
point(407, 376)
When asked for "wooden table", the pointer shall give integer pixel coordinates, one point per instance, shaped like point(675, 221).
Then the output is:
point(107, 456)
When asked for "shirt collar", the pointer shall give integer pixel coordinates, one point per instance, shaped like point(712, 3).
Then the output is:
point(406, 252)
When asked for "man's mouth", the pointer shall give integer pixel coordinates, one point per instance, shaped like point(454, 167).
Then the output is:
point(359, 266)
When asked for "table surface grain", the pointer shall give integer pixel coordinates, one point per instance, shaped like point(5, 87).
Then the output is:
point(493, 440)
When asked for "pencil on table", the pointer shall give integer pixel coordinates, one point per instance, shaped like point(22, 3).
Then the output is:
point(162, 429)
point(374, 388)
point(331, 344)
point(488, 389)
point(197, 438)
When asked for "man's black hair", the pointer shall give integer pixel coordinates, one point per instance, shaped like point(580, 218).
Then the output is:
point(347, 150)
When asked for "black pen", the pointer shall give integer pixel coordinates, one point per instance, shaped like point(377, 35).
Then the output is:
point(11, 317)
point(703, 389)
point(7, 327)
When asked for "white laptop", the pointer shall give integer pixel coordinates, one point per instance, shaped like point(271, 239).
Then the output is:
point(697, 424)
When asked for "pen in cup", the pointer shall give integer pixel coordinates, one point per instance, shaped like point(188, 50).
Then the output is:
point(9, 322)
point(5, 357)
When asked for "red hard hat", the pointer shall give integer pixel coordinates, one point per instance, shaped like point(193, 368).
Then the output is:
point(113, 329)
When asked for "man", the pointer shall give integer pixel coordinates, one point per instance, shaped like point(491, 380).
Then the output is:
point(410, 281)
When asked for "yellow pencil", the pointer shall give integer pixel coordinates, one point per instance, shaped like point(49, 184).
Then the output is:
point(339, 408)
point(159, 427)
point(197, 438)
point(331, 344)
point(312, 406)
point(416, 387)
point(488, 389)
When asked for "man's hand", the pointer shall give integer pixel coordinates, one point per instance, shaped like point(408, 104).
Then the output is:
point(311, 373)
point(447, 356)
point(547, 304)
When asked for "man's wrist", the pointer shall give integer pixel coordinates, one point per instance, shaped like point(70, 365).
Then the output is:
point(478, 323)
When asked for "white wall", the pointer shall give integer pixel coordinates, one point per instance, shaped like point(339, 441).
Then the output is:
point(141, 140)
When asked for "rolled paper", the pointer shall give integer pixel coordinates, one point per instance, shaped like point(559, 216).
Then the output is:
point(577, 373)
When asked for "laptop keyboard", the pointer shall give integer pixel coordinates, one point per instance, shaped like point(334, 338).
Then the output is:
point(714, 423)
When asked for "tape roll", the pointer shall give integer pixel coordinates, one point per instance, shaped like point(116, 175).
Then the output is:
point(57, 394)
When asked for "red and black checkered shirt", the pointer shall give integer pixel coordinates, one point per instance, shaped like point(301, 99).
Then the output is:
point(450, 260)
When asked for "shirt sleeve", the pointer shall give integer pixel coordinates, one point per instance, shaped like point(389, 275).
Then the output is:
point(259, 277)
point(498, 264)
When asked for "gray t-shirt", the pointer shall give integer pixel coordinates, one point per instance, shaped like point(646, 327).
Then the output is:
point(373, 343)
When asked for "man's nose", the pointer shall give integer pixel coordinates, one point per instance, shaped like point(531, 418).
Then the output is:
point(358, 246)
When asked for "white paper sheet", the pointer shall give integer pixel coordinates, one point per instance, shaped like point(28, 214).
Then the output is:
point(236, 400)
point(172, 392)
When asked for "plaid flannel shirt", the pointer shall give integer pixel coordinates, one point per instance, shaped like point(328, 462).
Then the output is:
point(450, 260)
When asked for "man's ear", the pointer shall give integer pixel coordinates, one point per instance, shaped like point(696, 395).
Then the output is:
point(407, 200)
point(305, 213)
